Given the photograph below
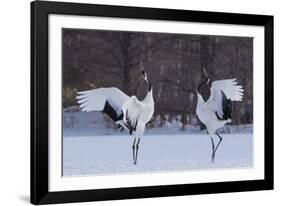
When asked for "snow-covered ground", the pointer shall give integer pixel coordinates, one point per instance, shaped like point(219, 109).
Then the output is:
point(93, 145)
point(113, 154)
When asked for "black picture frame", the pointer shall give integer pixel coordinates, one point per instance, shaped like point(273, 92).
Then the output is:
point(39, 102)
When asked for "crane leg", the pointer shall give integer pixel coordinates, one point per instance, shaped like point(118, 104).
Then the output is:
point(134, 147)
point(137, 149)
point(213, 150)
point(218, 142)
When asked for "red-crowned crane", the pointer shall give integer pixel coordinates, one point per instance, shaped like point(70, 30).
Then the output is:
point(217, 110)
point(127, 112)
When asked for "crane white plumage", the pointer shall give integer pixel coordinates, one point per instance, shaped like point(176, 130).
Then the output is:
point(217, 110)
point(129, 113)
point(95, 99)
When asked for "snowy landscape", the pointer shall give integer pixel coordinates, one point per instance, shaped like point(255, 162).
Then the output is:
point(93, 146)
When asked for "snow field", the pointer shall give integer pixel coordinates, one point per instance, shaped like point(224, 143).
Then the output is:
point(90, 155)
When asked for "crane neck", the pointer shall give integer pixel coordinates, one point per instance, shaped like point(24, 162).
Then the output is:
point(149, 85)
point(200, 99)
point(206, 81)
point(149, 97)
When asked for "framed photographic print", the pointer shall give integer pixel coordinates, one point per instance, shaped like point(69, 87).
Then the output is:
point(133, 102)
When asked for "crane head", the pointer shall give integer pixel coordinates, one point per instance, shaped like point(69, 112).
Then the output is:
point(144, 76)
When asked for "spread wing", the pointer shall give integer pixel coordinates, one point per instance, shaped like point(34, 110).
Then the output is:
point(131, 110)
point(108, 100)
point(222, 93)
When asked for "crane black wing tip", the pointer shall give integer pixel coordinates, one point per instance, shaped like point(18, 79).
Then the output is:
point(128, 123)
point(226, 108)
point(135, 127)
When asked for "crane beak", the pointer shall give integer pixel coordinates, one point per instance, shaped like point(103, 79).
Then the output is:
point(141, 66)
point(205, 72)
